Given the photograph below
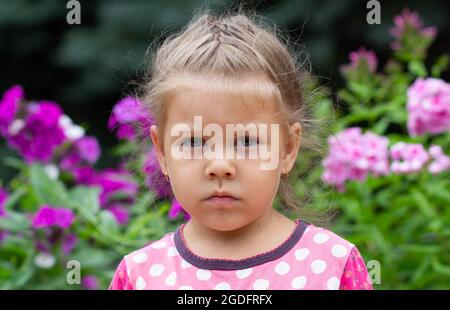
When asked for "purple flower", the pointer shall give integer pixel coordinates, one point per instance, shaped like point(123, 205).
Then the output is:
point(68, 243)
point(41, 134)
point(3, 199)
point(352, 155)
point(83, 175)
point(89, 282)
point(408, 157)
point(176, 209)
point(84, 151)
point(428, 107)
point(9, 105)
point(155, 179)
point(129, 117)
point(121, 213)
point(48, 217)
point(88, 149)
point(361, 57)
point(116, 185)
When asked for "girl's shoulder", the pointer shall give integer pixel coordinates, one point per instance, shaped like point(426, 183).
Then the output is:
point(321, 242)
point(163, 246)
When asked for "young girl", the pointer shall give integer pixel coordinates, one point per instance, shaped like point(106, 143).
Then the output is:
point(219, 72)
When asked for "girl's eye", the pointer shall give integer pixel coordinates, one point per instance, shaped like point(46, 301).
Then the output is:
point(247, 141)
point(193, 142)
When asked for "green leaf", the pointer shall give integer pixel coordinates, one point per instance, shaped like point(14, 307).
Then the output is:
point(86, 201)
point(46, 190)
point(441, 65)
point(422, 202)
point(417, 68)
point(108, 222)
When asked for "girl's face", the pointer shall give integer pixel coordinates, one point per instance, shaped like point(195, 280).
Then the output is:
point(194, 180)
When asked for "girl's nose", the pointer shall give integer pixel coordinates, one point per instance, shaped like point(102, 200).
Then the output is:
point(220, 168)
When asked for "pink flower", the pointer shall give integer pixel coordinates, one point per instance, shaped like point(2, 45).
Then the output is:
point(408, 158)
point(441, 161)
point(428, 106)
point(353, 155)
point(362, 57)
point(408, 20)
point(48, 216)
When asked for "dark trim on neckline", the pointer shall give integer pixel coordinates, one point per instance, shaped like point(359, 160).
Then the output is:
point(236, 264)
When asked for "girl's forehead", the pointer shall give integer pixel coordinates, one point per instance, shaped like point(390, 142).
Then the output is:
point(222, 106)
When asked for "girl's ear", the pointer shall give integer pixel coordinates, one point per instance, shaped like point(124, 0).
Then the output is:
point(159, 148)
point(291, 147)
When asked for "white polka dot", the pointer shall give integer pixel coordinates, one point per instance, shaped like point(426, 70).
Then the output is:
point(222, 286)
point(172, 252)
point(158, 245)
point(301, 254)
point(203, 275)
point(171, 279)
point(306, 230)
point(282, 268)
point(185, 264)
point(299, 282)
point(338, 250)
point(333, 283)
point(185, 287)
point(261, 284)
point(156, 270)
point(318, 266)
point(140, 283)
point(320, 238)
point(244, 273)
point(140, 258)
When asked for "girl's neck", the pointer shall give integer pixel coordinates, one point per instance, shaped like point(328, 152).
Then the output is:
point(262, 235)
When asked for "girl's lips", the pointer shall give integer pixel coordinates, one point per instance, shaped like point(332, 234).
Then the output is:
point(223, 200)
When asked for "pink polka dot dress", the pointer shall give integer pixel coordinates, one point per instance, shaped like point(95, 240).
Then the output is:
point(312, 258)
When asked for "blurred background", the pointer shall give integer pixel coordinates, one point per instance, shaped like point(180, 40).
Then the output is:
point(86, 68)
point(110, 205)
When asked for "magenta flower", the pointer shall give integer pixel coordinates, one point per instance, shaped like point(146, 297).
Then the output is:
point(428, 107)
point(89, 282)
point(121, 214)
point(48, 217)
point(129, 117)
point(3, 199)
point(441, 162)
point(116, 185)
point(353, 155)
point(176, 209)
point(9, 105)
point(83, 175)
point(361, 57)
point(85, 151)
point(88, 149)
point(38, 137)
point(155, 179)
point(408, 157)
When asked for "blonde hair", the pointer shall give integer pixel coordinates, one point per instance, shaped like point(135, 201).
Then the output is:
point(231, 50)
